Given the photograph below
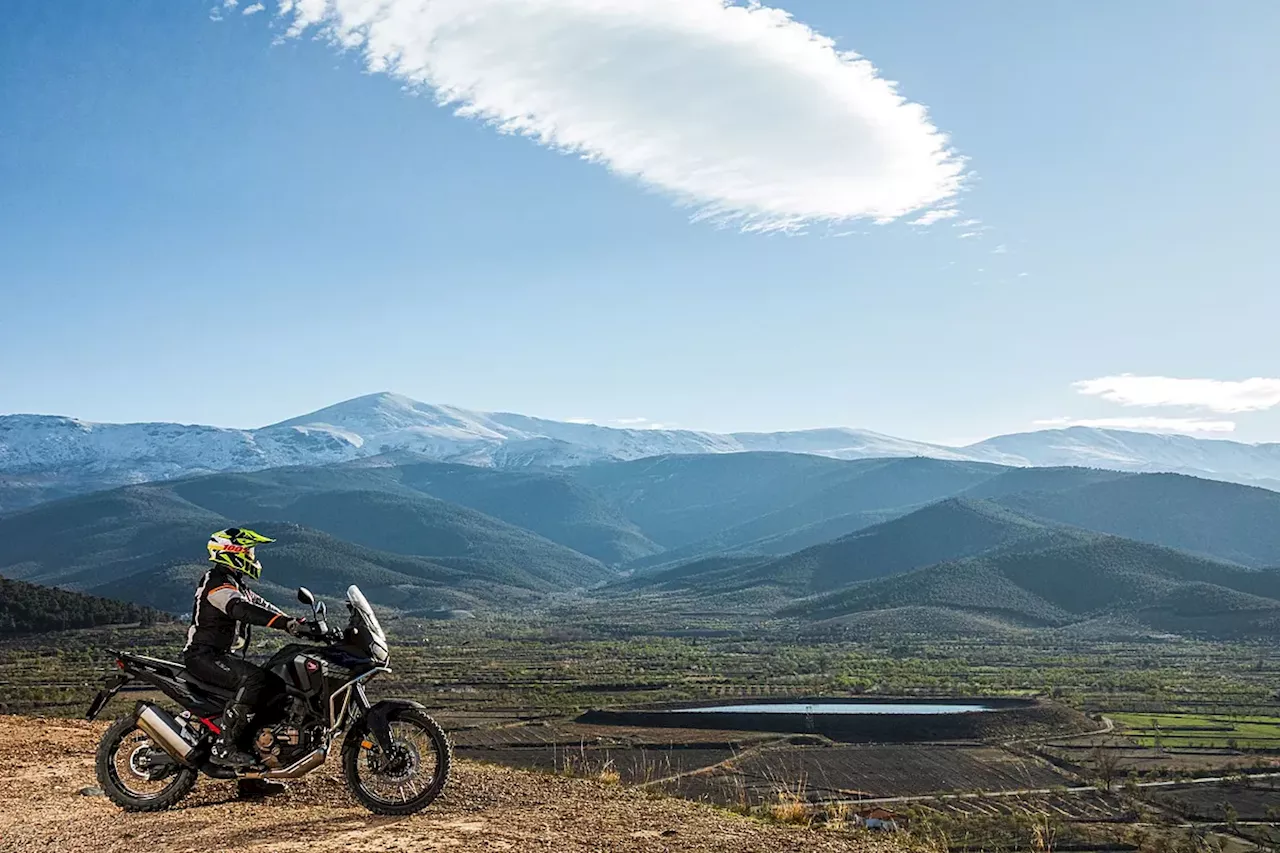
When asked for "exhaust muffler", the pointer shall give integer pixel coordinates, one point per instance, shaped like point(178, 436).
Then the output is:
point(164, 731)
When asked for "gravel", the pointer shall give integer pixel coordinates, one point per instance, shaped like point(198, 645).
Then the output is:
point(48, 770)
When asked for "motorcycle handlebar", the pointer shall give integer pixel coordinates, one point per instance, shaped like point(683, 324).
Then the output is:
point(322, 631)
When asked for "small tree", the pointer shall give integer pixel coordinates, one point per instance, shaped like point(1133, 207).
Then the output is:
point(1106, 763)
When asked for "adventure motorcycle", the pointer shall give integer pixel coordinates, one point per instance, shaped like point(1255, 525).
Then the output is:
point(395, 758)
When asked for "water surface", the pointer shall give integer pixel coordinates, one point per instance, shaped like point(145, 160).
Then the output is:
point(836, 708)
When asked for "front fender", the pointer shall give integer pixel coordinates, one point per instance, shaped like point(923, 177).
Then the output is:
point(377, 721)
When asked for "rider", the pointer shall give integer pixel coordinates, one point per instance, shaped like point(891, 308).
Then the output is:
point(224, 609)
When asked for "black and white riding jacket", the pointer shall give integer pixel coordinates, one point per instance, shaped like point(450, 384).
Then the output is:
point(224, 609)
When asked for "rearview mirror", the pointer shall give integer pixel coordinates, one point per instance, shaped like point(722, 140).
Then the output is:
point(305, 596)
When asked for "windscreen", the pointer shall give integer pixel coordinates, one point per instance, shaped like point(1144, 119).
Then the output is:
point(363, 613)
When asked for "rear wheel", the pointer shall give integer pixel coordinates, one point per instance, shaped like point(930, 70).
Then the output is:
point(135, 773)
point(411, 777)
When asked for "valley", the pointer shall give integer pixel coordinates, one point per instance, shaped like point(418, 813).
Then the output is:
point(512, 691)
point(1139, 611)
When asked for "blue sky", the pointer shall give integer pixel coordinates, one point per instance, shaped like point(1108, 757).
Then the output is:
point(203, 221)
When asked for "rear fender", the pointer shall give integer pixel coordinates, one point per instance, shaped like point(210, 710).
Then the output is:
point(377, 720)
point(110, 688)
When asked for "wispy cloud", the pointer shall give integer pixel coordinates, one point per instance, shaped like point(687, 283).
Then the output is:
point(639, 423)
point(253, 10)
point(970, 235)
point(621, 423)
point(1174, 425)
point(932, 216)
point(736, 110)
point(967, 223)
point(1215, 395)
point(1002, 249)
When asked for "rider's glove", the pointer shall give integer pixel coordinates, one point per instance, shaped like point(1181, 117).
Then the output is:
point(296, 627)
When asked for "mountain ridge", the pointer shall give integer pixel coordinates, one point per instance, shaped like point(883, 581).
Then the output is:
point(44, 457)
point(1072, 577)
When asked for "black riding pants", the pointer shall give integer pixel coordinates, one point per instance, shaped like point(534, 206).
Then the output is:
point(233, 673)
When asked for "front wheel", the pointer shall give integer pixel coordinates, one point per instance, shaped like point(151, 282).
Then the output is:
point(407, 780)
point(136, 774)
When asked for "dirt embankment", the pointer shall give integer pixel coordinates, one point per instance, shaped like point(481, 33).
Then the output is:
point(45, 763)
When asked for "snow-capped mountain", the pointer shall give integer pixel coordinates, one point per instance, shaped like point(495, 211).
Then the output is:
point(1120, 450)
point(44, 457)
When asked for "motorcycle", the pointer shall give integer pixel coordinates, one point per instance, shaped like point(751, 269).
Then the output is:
point(395, 757)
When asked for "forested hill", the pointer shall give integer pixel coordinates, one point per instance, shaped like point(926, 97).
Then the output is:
point(27, 607)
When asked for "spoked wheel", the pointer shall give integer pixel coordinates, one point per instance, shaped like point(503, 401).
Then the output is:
point(136, 774)
point(411, 776)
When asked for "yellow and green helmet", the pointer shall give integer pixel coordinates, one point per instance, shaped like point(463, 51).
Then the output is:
point(233, 548)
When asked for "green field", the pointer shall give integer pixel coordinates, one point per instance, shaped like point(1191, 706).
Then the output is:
point(1226, 731)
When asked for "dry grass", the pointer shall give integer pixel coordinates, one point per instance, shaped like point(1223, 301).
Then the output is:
point(837, 816)
point(790, 805)
point(609, 774)
point(790, 811)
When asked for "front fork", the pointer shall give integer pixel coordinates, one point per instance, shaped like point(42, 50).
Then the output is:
point(375, 724)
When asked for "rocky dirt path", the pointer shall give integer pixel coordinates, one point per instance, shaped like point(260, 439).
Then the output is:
point(44, 764)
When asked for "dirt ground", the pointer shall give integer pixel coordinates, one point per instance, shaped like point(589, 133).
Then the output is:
point(44, 764)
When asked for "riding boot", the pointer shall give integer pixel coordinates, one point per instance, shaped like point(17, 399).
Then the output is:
point(226, 750)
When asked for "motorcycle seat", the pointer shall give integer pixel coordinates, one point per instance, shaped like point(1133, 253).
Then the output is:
point(202, 686)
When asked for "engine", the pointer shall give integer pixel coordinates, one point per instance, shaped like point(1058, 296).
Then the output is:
point(278, 744)
point(282, 744)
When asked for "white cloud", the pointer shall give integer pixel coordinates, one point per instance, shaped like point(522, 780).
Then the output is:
point(230, 4)
point(967, 223)
point(253, 10)
point(933, 216)
point(1023, 274)
point(639, 423)
point(738, 111)
point(1002, 249)
point(968, 234)
point(578, 421)
point(1249, 395)
point(1174, 425)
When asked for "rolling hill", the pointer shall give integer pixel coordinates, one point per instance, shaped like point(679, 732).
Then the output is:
point(551, 504)
point(949, 530)
point(1073, 577)
point(546, 503)
point(404, 523)
point(30, 608)
point(325, 565)
point(739, 531)
point(709, 504)
point(145, 543)
point(815, 504)
point(1220, 520)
